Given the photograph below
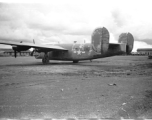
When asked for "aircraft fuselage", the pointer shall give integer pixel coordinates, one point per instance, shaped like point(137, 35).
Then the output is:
point(81, 52)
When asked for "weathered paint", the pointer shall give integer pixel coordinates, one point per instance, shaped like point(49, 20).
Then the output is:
point(100, 40)
point(83, 53)
point(128, 39)
point(75, 52)
point(98, 48)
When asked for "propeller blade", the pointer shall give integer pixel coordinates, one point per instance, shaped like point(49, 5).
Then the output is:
point(32, 52)
point(15, 54)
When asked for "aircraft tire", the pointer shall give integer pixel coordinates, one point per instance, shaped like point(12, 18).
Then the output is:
point(75, 61)
point(45, 59)
point(149, 57)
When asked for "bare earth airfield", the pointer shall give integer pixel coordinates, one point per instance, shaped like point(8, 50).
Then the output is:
point(113, 87)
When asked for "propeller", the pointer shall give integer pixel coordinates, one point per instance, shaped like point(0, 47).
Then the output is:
point(15, 53)
point(33, 49)
point(32, 52)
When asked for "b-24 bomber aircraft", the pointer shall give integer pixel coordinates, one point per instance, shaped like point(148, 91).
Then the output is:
point(98, 48)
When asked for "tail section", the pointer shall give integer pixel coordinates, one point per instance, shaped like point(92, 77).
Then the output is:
point(128, 39)
point(100, 40)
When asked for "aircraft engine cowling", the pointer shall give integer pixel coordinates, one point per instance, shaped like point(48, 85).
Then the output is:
point(100, 40)
point(128, 39)
point(19, 49)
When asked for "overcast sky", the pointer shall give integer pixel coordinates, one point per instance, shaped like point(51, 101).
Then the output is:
point(66, 21)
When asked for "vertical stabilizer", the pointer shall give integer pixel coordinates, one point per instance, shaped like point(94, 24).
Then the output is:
point(100, 40)
point(127, 38)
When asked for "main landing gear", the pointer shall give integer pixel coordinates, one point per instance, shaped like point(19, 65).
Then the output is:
point(45, 59)
point(75, 61)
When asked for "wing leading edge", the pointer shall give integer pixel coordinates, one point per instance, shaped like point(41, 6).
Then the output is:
point(30, 45)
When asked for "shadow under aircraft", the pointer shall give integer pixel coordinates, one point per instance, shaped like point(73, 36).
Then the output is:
point(98, 48)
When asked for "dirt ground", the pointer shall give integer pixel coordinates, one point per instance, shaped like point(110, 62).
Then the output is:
point(113, 87)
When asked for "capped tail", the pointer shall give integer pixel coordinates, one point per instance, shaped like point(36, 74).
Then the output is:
point(128, 39)
point(100, 40)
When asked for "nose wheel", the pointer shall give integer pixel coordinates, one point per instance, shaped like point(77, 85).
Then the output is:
point(45, 59)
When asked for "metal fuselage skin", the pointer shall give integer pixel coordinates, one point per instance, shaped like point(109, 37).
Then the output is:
point(82, 52)
point(98, 48)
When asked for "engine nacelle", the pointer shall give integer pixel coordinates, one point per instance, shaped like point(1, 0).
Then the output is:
point(100, 40)
point(20, 48)
point(128, 39)
point(38, 55)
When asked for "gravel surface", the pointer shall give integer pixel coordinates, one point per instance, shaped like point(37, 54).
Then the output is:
point(113, 87)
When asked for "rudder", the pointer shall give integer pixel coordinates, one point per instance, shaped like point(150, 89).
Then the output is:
point(128, 39)
point(100, 40)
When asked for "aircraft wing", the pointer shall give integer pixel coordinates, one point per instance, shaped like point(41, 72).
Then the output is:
point(31, 45)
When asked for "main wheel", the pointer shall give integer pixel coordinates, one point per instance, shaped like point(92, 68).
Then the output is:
point(75, 61)
point(150, 57)
point(45, 59)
